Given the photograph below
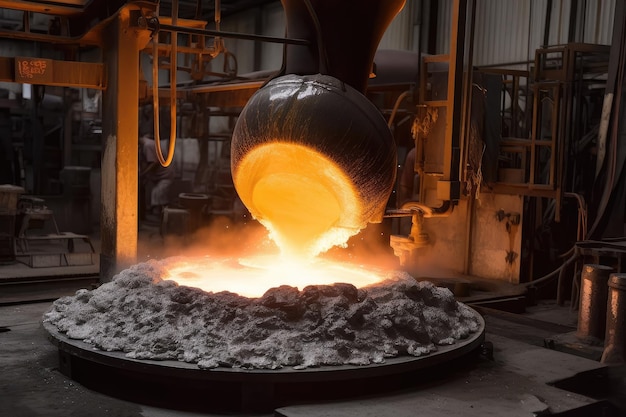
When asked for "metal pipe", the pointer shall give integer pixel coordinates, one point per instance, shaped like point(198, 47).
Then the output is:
point(218, 14)
point(582, 214)
point(396, 106)
point(410, 207)
point(451, 169)
point(466, 128)
point(593, 299)
point(154, 24)
point(546, 24)
point(615, 337)
point(218, 41)
point(548, 277)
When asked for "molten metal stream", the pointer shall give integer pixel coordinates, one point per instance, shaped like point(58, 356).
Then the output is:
point(301, 201)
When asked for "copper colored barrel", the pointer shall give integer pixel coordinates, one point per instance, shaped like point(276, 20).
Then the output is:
point(615, 339)
point(593, 296)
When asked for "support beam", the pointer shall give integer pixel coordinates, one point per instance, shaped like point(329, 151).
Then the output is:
point(52, 72)
point(449, 187)
point(120, 154)
point(45, 8)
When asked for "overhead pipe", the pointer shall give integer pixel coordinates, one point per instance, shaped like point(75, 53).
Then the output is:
point(154, 24)
point(404, 246)
point(410, 207)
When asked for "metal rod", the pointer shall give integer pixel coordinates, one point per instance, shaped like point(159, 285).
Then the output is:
point(154, 25)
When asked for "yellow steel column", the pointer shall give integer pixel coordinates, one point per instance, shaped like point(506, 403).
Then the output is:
point(123, 41)
point(449, 186)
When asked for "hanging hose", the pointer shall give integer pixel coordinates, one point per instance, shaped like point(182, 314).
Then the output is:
point(572, 255)
point(396, 106)
point(155, 90)
point(551, 275)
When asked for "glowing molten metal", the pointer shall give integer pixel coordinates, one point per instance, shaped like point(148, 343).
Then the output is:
point(300, 196)
point(253, 276)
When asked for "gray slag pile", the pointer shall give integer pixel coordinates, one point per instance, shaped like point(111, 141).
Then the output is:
point(146, 317)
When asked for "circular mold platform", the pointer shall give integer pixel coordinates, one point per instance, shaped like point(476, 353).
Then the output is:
point(184, 386)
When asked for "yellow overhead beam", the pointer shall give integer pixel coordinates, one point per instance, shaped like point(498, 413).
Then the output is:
point(29, 70)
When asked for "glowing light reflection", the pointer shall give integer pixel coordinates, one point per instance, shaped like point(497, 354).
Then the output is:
point(253, 276)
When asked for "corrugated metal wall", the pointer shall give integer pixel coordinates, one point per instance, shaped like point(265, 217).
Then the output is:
point(268, 20)
point(273, 24)
point(598, 23)
point(399, 32)
point(509, 31)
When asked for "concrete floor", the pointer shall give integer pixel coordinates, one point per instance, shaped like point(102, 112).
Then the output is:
point(514, 383)
point(31, 384)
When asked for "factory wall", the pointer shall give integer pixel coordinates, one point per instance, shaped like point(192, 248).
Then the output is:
point(267, 20)
point(509, 31)
point(496, 244)
point(399, 34)
point(473, 239)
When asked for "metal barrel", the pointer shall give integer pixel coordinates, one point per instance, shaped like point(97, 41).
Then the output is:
point(615, 337)
point(593, 296)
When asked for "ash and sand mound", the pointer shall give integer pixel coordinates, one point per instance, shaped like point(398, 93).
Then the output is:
point(146, 317)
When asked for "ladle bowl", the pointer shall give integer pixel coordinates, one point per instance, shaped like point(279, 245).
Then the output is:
point(311, 152)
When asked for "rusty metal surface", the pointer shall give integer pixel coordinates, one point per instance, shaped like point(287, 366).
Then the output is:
point(52, 72)
point(62, 8)
point(615, 339)
point(593, 298)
